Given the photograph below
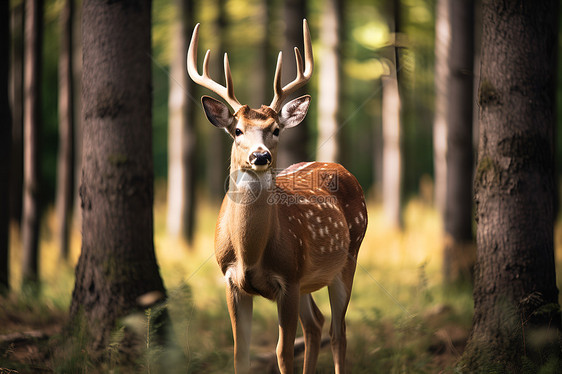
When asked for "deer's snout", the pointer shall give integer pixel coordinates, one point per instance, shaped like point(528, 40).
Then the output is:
point(260, 158)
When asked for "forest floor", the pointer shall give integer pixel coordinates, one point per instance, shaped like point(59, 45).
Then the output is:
point(401, 318)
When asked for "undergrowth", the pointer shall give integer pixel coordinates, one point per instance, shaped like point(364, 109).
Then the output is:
point(401, 319)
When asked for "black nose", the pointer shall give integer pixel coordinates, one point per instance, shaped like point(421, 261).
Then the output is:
point(260, 158)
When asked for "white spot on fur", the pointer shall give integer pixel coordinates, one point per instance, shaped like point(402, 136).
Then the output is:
point(357, 220)
point(318, 219)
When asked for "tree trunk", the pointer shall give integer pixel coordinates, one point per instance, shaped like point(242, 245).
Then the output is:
point(5, 140)
point(218, 149)
point(392, 153)
point(182, 132)
point(329, 82)
point(516, 321)
point(16, 98)
point(117, 266)
point(65, 164)
point(293, 147)
point(442, 76)
point(261, 80)
point(392, 131)
point(459, 252)
point(32, 136)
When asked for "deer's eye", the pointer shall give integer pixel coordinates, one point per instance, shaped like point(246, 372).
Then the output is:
point(276, 132)
point(238, 132)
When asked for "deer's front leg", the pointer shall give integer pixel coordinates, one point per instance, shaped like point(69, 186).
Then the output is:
point(288, 311)
point(240, 310)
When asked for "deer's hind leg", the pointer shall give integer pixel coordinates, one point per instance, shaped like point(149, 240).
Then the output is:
point(340, 292)
point(311, 321)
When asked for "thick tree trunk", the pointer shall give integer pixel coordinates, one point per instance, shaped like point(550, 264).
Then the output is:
point(32, 136)
point(293, 147)
point(182, 132)
point(329, 82)
point(65, 164)
point(16, 101)
point(117, 264)
point(5, 140)
point(516, 313)
point(459, 252)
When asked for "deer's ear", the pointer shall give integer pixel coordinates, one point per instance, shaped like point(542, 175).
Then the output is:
point(294, 112)
point(217, 113)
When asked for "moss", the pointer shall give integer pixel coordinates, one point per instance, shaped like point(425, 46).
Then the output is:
point(486, 166)
point(487, 94)
point(117, 159)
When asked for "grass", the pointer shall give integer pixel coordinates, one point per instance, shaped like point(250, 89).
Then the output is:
point(400, 318)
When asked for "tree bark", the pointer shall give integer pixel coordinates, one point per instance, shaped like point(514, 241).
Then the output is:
point(516, 321)
point(65, 164)
point(459, 252)
point(16, 101)
point(32, 136)
point(329, 82)
point(117, 265)
point(293, 147)
point(5, 146)
point(182, 133)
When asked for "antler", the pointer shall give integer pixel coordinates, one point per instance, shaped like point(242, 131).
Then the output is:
point(227, 93)
point(303, 76)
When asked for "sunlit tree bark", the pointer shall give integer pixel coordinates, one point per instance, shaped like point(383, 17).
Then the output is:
point(392, 129)
point(442, 76)
point(516, 324)
point(293, 147)
point(329, 82)
point(182, 132)
point(392, 153)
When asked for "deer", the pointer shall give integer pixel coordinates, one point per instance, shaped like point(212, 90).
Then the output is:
point(282, 235)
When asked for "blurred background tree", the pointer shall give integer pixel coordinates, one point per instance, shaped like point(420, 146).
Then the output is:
point(5, 147)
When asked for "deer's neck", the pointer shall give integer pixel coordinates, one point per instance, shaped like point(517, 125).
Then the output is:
point(252, 219)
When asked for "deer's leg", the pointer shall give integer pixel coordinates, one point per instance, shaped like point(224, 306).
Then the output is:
point(240, 310)
point(311, 320)
point(339, 293)
point(287, 310)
